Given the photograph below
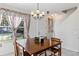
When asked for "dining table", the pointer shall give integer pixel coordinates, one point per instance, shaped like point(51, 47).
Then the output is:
point(33, 48)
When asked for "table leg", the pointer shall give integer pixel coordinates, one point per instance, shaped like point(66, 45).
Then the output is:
point(32, 55)
point(45, 53)
point(59, 50)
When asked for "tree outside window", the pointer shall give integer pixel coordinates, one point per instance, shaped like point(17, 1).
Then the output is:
point(4, 22)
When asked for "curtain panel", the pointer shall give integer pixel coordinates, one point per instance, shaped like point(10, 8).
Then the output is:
point(26, 26)
point(50, 27)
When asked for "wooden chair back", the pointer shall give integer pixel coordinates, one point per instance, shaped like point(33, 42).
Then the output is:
point(20, 49)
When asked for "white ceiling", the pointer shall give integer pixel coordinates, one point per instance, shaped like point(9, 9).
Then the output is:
point(28, 7)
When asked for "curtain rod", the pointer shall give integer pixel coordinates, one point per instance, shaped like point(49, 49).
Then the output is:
point(13, 11)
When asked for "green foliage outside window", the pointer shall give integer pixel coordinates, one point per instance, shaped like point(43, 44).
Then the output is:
point(4, 22)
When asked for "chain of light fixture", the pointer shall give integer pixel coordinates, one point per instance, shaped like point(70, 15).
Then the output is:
point(37, 14)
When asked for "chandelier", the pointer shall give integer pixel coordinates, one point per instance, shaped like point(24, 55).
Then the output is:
point(37, 14)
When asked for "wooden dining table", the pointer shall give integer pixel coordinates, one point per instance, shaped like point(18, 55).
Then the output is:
point(33, 48)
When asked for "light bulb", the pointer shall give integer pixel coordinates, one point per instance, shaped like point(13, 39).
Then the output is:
point(32, 13)
point(37, 11)
point(43, 13)
point(52, 15)
point(40, 15)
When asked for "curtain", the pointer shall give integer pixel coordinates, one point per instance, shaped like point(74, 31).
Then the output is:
point(26, 26)
point(50, 27)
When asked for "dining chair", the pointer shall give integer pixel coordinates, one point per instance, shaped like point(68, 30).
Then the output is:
point(55, 51)
point(20, 50)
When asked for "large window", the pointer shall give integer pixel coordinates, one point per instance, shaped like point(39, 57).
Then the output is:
point(5, 30)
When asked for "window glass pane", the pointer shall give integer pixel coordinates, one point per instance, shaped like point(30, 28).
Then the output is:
point(5, 30)
point(20, 31)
